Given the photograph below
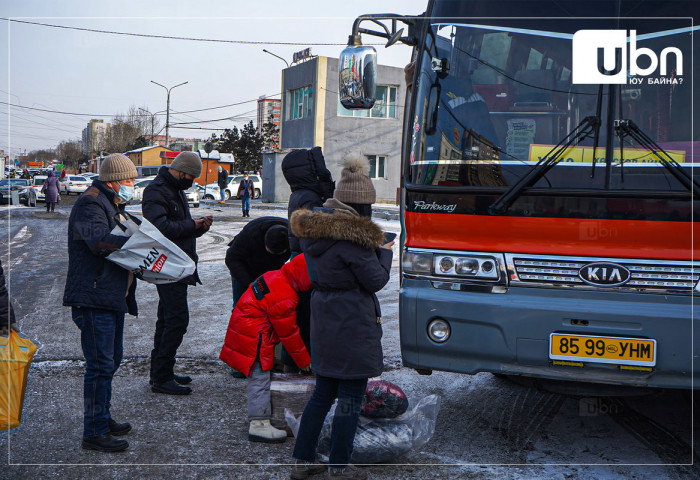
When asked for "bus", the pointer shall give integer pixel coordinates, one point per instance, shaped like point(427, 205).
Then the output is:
point(548, 190)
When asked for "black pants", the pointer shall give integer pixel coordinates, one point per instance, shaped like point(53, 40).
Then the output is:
point(173, 318)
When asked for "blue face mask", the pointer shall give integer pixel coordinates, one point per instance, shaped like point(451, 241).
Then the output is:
point(125, 192)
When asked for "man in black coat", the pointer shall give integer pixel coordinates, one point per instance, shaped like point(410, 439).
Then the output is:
point(165, 206)
point(261, 246)
point(7, 313)
point(99, 293)
point(223, 183)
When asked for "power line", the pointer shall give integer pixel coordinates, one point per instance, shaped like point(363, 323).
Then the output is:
point(112, 115)
point(169, 37)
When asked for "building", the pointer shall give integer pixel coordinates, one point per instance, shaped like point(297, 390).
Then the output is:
point(95, 136)
point(179, 144)
point(269, 112)
point(313, 116)
point(147, 155)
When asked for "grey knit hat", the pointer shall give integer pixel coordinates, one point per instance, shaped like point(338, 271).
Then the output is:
point(188, 162)
point(355, 185)
point(117, 167)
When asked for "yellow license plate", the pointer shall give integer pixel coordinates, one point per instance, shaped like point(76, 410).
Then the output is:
point(615, 350)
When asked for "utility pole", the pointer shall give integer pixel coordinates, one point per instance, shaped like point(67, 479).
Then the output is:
point(167, 115)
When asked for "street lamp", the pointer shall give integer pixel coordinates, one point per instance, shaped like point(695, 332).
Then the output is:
point(167, 116)
point(285, 61)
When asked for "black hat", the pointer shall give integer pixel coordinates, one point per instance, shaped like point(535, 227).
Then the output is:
point(277, 239)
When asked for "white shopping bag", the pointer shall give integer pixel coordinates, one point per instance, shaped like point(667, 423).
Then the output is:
point(148, 254)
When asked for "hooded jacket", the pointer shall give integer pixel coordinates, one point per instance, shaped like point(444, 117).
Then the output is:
point(346, 267)
point(247, 258)
point(165, 206)
point(92, 280)
point(310, 181)
point(266, 314)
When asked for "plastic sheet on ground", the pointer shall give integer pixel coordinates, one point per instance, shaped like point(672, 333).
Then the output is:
point(381, 439)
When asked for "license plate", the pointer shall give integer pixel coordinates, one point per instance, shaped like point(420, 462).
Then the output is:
point(615, 350)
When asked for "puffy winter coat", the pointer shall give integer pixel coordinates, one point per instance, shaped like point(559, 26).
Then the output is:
point(346, 267)
point(92, 280)
point(165, 206)
point(247, 258)
point(266, 314)
point(50, 188)
point(222, 179)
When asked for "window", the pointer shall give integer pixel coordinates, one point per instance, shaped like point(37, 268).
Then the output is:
point(384, 107)
point(377, 166)
point(300, 103)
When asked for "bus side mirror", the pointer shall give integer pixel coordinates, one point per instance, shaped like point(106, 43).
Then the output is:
point(357, 76)
point(433, 106)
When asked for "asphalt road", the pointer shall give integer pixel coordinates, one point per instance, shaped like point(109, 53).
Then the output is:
point(487, 427)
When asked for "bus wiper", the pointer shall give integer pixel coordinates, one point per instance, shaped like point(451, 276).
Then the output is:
point(585, 129)
point(629, 128)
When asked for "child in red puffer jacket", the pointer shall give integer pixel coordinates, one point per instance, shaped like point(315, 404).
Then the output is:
point(264, 316)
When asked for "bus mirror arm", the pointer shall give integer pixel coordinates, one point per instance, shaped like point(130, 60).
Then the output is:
point(629, 128)
point(392, 35)
point(586, 128)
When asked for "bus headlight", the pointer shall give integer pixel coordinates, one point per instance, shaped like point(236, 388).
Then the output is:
point(439, 330)
point(466, 266)
point(417, 262)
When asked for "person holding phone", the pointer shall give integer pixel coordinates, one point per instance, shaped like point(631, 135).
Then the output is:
point(166, 207)
point(348, 262)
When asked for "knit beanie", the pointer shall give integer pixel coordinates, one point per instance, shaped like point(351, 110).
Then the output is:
point(117, 167)
point(355, 185)
point(189, 163)
point(277, 239)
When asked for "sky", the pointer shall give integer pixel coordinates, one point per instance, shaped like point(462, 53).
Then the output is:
point(101, 75)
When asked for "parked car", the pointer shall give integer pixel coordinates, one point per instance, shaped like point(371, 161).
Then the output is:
point(192, 195)
point(74, 184)
point(24, 188)
point(139, 185)
point(38, 184)
point(147, 170)
point(212, 190)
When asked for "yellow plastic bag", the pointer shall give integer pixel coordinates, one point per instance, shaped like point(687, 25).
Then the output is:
point(16, 355)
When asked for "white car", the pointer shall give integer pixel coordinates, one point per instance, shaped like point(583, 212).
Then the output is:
point(139, 185)
point(75, 184)
point(38, 184)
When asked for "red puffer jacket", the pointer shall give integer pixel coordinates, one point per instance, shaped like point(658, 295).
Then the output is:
point(264, 315)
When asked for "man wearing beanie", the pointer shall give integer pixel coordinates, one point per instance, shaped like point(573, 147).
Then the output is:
point(99, 293)
point(355, 188)
point(165, 206)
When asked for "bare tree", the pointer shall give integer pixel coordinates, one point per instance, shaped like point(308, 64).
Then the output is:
point(70, 153)
point(131, 130)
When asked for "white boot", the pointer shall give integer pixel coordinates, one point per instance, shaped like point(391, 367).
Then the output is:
point(262, 431)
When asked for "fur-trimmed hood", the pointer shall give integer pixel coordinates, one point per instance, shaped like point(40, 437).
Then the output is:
point(318, 224)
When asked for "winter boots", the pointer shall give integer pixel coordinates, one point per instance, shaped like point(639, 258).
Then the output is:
point(246, 213)
point(262, 431)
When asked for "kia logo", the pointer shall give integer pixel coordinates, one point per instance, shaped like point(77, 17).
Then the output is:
point(603, 274)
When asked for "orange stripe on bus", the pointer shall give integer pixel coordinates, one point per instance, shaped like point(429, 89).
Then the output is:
point(553, 236)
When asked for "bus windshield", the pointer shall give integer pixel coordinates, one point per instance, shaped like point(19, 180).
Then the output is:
point(495, 96)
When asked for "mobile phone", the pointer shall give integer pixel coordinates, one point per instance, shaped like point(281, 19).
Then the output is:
point(388, 237)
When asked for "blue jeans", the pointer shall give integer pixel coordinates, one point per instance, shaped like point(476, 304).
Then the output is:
point(245, 203)
point(349, 394)
point(223, 193)
point(102, 339)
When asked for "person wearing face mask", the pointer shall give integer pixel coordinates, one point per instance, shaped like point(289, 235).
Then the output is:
point(99, 293)
point(246, 191)
point(165, 206)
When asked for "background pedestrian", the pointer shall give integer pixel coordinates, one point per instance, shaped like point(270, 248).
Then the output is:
point(223, 183)
point(246, 191)
point(50, 190)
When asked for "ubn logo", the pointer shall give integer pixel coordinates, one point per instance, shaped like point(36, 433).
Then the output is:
point(600, 56)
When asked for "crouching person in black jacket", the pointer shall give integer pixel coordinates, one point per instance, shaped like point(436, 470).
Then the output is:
point(100, 293)
point(165, 206)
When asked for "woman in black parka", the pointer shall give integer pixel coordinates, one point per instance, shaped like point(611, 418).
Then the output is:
point(347, 264)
